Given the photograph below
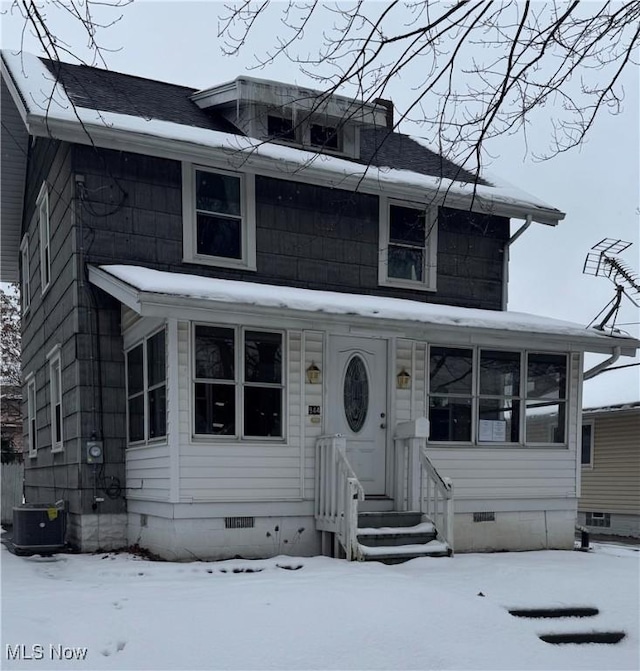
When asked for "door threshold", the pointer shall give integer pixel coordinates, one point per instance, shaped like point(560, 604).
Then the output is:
point(376, 504)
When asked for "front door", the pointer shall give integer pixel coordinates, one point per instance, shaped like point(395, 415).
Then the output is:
point(358, 405)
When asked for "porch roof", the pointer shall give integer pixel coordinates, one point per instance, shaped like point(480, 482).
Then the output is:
point(156, 293)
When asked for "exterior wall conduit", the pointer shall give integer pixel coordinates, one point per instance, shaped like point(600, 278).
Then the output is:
point(505, 260)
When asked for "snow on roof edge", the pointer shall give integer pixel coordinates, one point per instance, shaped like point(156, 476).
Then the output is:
point(146, 280)
point(47, 98)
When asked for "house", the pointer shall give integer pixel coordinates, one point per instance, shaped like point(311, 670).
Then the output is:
point(610, 494)
point(258, 320)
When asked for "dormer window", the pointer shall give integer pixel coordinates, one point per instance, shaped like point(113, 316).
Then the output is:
point(326, 137)
point(279, 128)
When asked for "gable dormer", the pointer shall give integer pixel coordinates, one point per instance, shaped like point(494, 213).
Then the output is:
point(292, 115)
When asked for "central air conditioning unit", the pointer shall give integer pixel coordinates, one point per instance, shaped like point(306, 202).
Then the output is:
point(39, 528)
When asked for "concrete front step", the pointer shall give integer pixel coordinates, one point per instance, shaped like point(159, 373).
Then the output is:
point(389, 536)
point(389, 519)
point(394, 537)
point(402, 553)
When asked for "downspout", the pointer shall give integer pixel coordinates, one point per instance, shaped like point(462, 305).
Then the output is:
point(596, 370)
point(505, 260)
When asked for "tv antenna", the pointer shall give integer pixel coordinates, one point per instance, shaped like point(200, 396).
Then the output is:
point(603, 261)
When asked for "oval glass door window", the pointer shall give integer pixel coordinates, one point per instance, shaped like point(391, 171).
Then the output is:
point(356, 394)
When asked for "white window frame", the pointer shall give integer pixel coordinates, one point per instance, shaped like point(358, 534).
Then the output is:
point(248, 219)
point(476, 398)
point(146, 389)
point(44, 226)
point(588, 422)
point(239, 385)
point(429, 271)
point(25, 272)
point(32, 429)
point(55, 399)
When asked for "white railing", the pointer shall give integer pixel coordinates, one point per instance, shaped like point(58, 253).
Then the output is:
point(419, 486)
point(337, 493)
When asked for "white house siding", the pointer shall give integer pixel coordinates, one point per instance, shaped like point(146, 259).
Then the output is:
point(612, 484)
point(147, 473)
point(219, 470)
point(312, 425)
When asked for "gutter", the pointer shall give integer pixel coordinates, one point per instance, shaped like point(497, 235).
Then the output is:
point(505, 259)
point(596, 370)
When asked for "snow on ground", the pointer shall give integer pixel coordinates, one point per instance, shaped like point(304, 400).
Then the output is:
point(430, 613)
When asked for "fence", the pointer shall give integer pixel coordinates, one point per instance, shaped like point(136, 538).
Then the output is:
point(12, 487)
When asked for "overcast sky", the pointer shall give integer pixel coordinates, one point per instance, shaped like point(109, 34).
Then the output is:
point(597, 186)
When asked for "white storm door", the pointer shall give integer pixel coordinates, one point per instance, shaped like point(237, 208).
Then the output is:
point(358, 405)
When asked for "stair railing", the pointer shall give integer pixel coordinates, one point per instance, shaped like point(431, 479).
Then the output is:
point(337, 493)
point(419, 485)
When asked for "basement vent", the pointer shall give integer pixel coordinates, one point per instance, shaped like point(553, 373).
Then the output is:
point(239, 522)
point(484, 517)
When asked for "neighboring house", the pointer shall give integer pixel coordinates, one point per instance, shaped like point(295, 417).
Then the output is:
point(610, 492)
point(240, 305)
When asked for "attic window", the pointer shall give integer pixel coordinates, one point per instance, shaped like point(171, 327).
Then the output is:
point(281, 129)
point(324, 136)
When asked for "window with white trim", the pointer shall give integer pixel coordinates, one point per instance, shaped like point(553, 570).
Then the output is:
point(25, 274)
point(477, 395)
point(238, 382)
point(147, 390)
point(55, 396)
point(586, 452)
point(219, 217)
point(32, 435)
point(42, 205)
point(408, 245)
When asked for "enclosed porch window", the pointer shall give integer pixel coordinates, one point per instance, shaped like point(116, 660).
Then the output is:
point(238, 383)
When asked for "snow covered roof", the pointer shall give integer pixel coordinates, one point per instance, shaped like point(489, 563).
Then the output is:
point(152, 292)
point(85, 104)
point(618, 407)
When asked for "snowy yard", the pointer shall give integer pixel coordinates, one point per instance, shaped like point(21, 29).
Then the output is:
point(432, 613)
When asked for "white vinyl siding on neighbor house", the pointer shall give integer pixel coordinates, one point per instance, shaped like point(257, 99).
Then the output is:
point(55, 399)
point(32, 429)
point(44, 227)
point(408, 244)
point(219, 217)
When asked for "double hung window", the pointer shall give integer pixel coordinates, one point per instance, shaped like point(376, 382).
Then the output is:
point(219, 217)
point(55, 396)
point(32, 435)
point(147, 389)
point(408, 245)
point(42, 205)
point(488, 396)
point(586, 456)
point(238, 382)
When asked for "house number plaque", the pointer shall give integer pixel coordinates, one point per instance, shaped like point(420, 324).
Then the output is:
point(314, 409)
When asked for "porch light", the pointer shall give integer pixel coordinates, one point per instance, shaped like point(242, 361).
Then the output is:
point(313, 374)
point(404, 379)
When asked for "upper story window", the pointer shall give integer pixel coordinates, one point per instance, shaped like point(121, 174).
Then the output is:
point(219, 217)
point(477, 396)
point(407, 245)
point(32, 433)
point(25, 274)
point(238, 382)
point(55, 396)
point(280, 128)
point(326, 137)
point(42, 205)
point(147, 389)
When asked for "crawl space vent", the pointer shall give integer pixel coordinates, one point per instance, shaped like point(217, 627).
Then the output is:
point(239, 522)
point(484, 517)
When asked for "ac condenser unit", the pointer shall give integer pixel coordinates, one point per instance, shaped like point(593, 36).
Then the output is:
point(39, 528)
